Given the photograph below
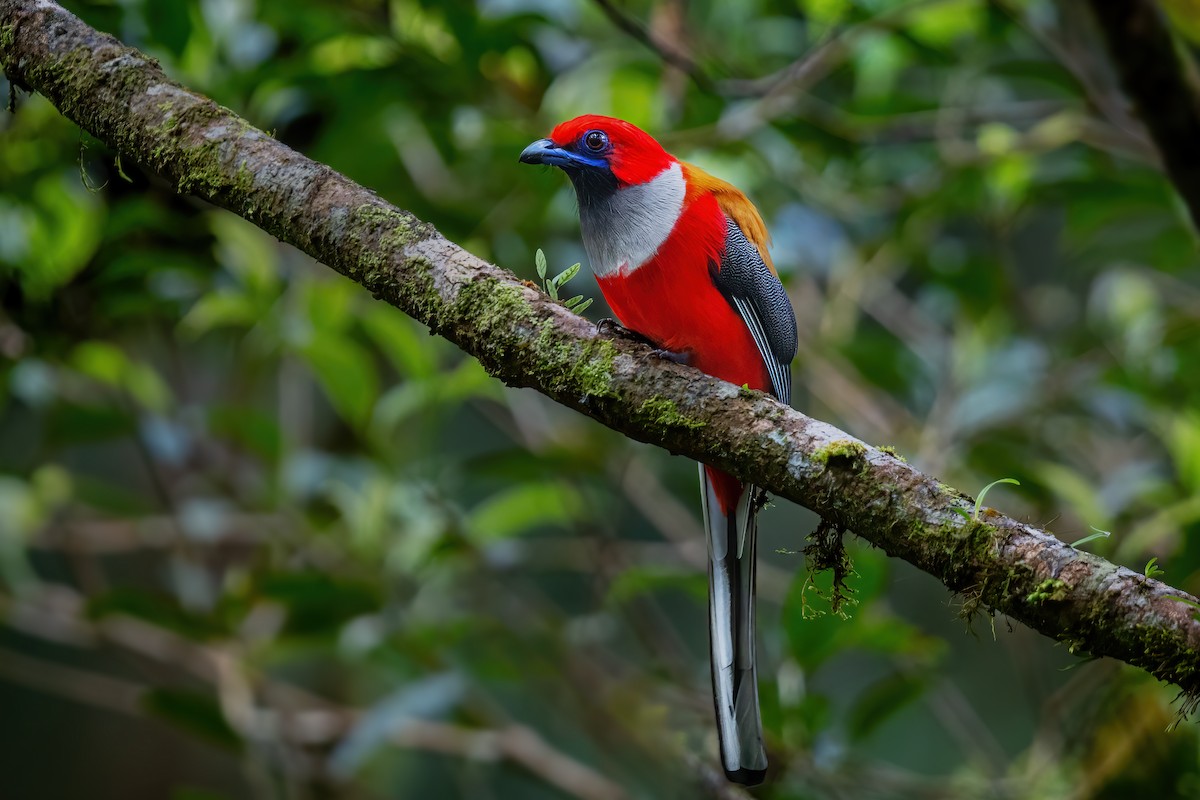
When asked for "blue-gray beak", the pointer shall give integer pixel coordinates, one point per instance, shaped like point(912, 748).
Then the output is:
point(544, 151)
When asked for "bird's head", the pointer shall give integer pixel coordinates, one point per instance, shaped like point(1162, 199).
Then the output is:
point(600, 153)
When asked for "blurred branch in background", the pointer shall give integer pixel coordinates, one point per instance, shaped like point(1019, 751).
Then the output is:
point(292, 716)
point(670, 52)
point(1162, 85)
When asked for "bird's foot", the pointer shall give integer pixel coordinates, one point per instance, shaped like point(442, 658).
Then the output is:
point(608, 326)
point(674, 357)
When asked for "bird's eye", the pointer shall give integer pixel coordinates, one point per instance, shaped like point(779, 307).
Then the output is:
point(595, 141)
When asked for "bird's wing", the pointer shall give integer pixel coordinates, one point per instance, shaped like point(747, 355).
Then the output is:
point(755, 292)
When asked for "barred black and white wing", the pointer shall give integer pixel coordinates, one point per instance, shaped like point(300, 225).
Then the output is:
point(761, 301)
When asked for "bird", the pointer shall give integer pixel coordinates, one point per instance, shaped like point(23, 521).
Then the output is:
point(681, 258)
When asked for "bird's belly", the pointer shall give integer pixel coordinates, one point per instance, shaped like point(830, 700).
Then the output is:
point(685, 313)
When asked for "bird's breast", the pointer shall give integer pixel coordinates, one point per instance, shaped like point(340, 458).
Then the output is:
point(625, 229)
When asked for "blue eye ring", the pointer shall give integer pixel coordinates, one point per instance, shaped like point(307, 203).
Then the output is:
point(596, 141)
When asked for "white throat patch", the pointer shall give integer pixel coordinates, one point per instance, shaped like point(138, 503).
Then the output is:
point(624, 231)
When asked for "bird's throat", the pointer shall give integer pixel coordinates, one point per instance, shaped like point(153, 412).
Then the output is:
point(624, 227)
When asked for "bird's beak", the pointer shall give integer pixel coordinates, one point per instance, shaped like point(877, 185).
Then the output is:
point(545, 151)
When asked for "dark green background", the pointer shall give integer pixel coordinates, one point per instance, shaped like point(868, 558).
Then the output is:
point(207, 439)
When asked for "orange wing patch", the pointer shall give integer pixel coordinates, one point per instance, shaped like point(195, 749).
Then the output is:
point(735, 205)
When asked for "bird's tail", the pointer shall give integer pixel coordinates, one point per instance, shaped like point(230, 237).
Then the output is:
point(731, 548)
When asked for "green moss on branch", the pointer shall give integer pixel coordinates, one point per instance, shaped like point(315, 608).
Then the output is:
point(841, 453)
point(1049, 590)
point(663, 411)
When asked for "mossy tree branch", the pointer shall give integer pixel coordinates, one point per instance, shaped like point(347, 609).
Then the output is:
point(523, 338)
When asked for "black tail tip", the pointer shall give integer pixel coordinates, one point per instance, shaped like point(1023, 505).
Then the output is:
point(746, 777)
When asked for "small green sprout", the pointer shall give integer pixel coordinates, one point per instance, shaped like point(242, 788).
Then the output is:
point(983, 493)
point(577, 303)
point(1099, 534)
point(1152, 570)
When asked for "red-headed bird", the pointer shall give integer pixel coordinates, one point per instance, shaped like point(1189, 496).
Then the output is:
point(681, 258)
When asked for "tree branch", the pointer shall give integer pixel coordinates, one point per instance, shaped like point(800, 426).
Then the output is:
point(668, 53)
point(1154, 75)
point(522, 337)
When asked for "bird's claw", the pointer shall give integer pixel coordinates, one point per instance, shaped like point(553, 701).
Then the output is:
point(610, 327)
point(671, 355)
point(607, 326)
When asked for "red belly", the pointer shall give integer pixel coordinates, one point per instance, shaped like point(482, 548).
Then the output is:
point(672, 300)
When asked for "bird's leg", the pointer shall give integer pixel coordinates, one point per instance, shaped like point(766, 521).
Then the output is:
point(610, 327)
point(680, 357)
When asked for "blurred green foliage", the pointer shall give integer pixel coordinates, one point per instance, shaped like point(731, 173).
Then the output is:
point(261, 535)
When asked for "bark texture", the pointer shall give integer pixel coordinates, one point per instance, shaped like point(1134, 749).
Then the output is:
point(523, 338)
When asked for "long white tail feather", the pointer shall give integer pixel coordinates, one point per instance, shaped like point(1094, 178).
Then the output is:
point(731, 549)
point(744, 523)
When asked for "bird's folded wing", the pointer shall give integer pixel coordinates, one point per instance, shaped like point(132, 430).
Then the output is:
point(760, 299)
